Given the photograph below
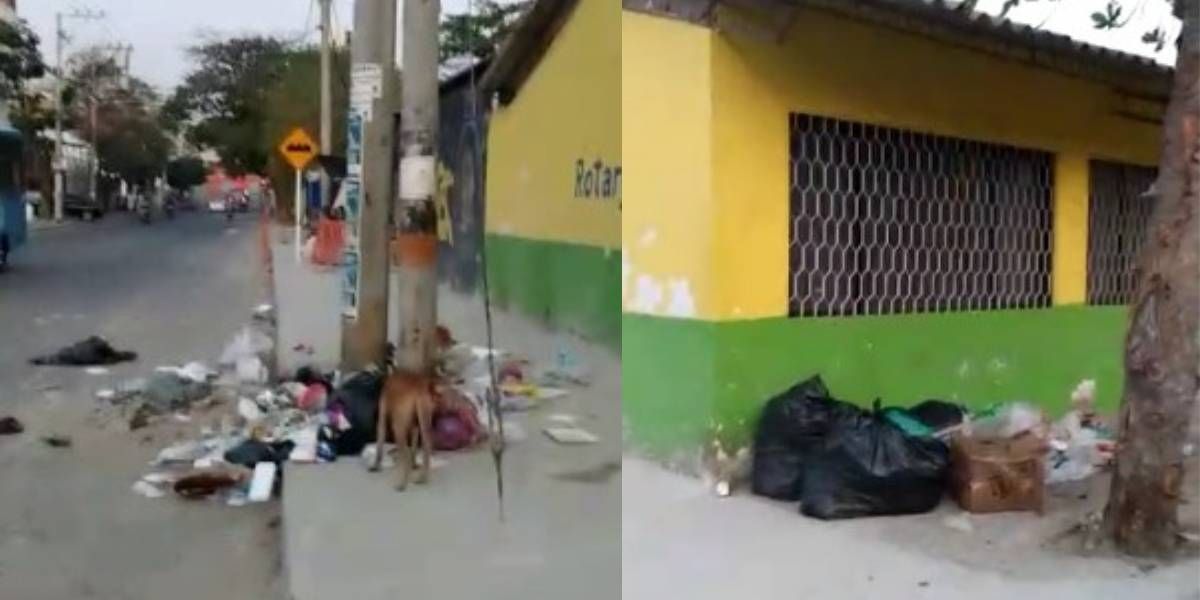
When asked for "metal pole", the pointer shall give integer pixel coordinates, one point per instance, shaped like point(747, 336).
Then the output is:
point(93, 186)
point(299, 203)
point(326, 92)
point(369, 188)
point(417, 218)
point(58, 119)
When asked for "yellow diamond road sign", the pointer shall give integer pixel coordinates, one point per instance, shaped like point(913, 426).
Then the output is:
point(299, 148)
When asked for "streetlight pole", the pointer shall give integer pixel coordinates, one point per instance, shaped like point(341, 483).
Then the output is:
point(326, 93)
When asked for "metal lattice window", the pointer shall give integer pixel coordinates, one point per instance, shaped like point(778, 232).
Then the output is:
point(1118, 217)
point(892, 221)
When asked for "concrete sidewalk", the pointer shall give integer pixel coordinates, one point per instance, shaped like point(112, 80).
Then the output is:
point(681, 541)
point(349, 534)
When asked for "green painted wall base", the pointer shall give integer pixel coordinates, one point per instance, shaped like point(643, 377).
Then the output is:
point(681, 378)
point(571, 286)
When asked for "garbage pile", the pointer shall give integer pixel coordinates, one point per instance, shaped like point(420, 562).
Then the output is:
point(310, 416)
point(842, 461)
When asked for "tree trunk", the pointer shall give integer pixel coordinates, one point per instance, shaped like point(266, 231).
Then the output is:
point(1162, 364)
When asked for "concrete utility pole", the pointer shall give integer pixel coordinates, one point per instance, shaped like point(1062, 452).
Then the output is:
point(369, 183)
point(60, 36)
point(326, 91)
point(417, 217)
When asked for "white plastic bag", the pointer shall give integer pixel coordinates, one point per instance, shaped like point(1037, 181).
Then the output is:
point(247, 343)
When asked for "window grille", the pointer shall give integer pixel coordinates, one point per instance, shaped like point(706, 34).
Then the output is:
point(1118, 217)
point(891, 221)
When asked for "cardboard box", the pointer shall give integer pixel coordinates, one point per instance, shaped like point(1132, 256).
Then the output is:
point(990, 475)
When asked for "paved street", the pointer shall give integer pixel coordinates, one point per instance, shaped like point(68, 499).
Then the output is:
point(173, 291)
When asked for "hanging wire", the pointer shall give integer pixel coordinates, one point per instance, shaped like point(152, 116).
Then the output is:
point(495, 419)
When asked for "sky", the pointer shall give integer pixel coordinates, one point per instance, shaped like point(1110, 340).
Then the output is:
point(161, 30)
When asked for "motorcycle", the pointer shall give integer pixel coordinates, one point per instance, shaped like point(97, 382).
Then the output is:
point(143, 209)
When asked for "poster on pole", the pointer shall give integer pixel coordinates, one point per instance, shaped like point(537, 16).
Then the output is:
point(366, 86)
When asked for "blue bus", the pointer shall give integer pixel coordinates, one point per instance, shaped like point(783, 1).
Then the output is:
point(12, 196)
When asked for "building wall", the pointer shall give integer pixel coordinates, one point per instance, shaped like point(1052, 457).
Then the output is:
point(461, 137)
point(553, 248)
point(688, 371)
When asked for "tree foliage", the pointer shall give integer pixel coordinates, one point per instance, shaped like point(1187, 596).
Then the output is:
point(130, 141)
point(296, 103)
point(223, 104)
point(186, 172)
point(478, 34)
point(19, 57)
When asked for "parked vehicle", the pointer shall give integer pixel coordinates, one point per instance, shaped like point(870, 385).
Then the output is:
point(85, 207)
point(217, 205)
point(12, 198)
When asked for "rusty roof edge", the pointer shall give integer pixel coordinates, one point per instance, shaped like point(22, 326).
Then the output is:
point(526, 44)
point(942, 20)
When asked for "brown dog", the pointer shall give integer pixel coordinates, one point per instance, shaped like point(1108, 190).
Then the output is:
point(407, 400)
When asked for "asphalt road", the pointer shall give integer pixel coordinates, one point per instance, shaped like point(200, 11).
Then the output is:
point(70, 527)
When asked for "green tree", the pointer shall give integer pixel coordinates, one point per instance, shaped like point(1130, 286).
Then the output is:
point(130, 140)
point(222, 104)
point(1162, 358)
point(480, 33)
point(19, 57)
point(295, 103)
point(186, 172)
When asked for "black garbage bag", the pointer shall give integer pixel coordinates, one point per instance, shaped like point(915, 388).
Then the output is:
point(868, 466)
point(790, 428)
point(252, 451)
point(937, 414)
point(358, 397)
point(90, 352)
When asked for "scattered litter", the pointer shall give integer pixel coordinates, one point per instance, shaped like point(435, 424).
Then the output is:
point(563, 418)
point(263, 482)
point(304, 349)
point(91, 351)
point(246, 344)
point(202, 484)
point(306, 441)
point(183, 417)
point(166, 392)
point(313, 398)
point(998, 475)
point(1007, 421)
point(251, 452)
point(571, 435)
point(106, 394)
point(368, 456)
point(263, 309)
point(236, 498)
point(10, 426)
point(50, 387)
point(183, 452)
point(57, 441)
point(194, 371)
point(96, 371)
point(147, 489)
point(250, 369)
point(249, 410)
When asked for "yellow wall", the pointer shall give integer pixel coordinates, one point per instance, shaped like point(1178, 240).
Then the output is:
point(568, 109)
point(841, 68)
point(666, 120)
point(1069, 282)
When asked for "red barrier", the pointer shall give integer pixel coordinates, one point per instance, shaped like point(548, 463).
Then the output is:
point(328, 248)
